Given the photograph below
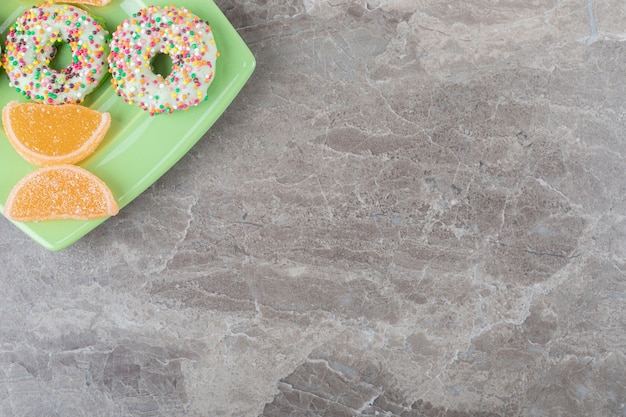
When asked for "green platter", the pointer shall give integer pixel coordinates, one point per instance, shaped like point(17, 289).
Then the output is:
point(139, 148)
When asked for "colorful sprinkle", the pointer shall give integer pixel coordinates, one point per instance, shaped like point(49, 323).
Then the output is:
point(168, 30)
point(31, 46)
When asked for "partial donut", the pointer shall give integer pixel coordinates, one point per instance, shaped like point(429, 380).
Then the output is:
point(32, 44)
point(175, 32)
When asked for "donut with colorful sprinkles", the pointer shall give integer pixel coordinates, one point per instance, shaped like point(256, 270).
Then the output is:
point(32, 44)
point(170, 31)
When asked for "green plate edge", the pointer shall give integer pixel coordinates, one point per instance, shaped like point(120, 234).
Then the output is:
point(139, 148)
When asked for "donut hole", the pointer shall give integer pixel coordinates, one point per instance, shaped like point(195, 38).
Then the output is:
point(161, 64)
point(62, 57)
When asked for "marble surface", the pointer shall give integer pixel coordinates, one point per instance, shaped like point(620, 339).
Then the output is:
point(414, 208)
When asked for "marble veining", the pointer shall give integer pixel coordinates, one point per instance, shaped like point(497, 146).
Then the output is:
point(414, 208)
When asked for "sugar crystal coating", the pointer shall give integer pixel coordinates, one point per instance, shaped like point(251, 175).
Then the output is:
point(45, 135)
point(60, 192)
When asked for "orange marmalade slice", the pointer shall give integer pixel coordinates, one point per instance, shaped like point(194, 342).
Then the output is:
point(60, 192)
point(45, 134)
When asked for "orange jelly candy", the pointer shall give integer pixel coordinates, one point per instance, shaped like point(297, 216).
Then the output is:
point(46, 134)
point(60, 192)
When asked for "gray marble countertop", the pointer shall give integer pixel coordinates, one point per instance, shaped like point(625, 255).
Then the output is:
point(413, 208)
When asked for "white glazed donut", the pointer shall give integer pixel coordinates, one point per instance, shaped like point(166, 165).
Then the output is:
point(31, 46)
point(173, 31)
